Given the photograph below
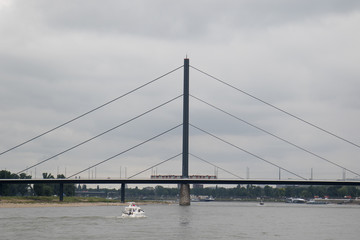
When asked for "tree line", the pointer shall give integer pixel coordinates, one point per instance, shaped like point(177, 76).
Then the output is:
point(242, 192)
point(33, 189)
point(13, 189)
point(251, 191)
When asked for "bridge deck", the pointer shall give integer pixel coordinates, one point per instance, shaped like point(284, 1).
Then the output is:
point(180, 181)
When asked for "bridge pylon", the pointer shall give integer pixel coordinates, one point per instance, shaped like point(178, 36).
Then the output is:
point(185, 188)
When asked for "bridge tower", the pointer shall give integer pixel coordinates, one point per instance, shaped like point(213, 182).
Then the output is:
point(185, 188)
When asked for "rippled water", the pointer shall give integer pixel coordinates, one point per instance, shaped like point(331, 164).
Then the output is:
point(210, 220)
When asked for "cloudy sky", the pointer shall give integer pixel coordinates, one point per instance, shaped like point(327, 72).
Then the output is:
point(60, 59)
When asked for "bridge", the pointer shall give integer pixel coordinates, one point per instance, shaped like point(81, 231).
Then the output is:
point(185, 181)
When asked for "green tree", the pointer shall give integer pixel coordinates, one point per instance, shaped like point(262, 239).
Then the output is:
point(45, 189)
point(69, 189)
point(333, 191)
point(305, 193)
point(268, 191)
point(13, 189)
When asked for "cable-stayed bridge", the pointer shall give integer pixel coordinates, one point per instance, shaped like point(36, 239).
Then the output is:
point(285, 173)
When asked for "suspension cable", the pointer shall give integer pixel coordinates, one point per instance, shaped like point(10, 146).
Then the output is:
point(107, 131)
point(127, 150)
point(154, 165)
point(215, 165)
point(88, 112)
point(252, 154)
point(269, 133)
point(277, 108)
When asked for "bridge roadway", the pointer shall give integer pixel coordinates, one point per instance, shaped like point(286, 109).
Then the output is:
point(181, 181)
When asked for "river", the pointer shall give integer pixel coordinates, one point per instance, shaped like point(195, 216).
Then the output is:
point(201, 220)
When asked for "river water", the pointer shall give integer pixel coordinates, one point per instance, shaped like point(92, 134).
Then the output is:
point(201, 220)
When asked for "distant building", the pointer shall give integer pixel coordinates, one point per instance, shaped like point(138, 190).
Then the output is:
point(86, 193)
point(198, 186)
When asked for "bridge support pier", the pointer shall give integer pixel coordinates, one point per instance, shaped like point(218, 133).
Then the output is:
point(123, 192)
point(61, 192)
point(184, 195)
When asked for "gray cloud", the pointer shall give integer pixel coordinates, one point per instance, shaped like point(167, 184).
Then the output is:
point(60, 59)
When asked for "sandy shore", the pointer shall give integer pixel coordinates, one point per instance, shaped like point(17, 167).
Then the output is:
point(76, 204)
point(25, 203)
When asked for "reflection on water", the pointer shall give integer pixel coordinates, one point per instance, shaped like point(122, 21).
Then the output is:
point(211, 220)
point(185, 215)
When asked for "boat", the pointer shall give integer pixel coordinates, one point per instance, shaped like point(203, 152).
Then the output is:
point(194, 198)
point(201, 198)
point(295, 200)
point(133, 211)
point(207, 199)
point(313, 201)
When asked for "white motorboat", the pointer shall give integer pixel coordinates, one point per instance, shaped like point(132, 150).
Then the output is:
point(201, 198)
point(316, 201)
point(133, 211)
point(295, 200)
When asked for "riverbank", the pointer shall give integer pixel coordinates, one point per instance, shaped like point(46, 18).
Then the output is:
point(28, 202)
point(31, 205)
point(24, 202)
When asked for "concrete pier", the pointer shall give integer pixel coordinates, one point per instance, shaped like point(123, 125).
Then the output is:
point(61, 192)
point(184, 195)
point(123, 193)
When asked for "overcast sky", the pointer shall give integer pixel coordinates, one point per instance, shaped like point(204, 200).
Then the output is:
point(59, 59)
